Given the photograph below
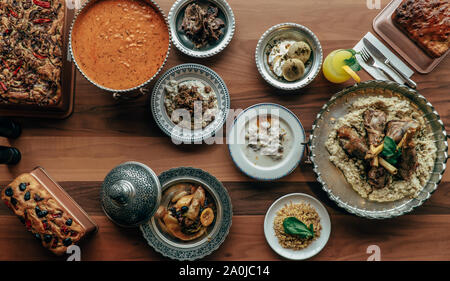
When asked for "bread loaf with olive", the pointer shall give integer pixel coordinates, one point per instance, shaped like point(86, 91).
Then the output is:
point(42, 214)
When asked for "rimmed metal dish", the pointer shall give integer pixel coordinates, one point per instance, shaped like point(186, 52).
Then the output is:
point(187, 72)
point(216, 234)
point(182, 42)
point(133, 92)
point(288, 31)
point(332, 179)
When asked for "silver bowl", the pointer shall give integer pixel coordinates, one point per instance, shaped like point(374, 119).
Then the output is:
point(181, 41)
point(332, 179)
point(297, 32)
point(216, 233)
point(130, 93)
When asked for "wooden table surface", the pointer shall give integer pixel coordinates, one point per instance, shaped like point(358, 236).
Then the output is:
point(78, 152)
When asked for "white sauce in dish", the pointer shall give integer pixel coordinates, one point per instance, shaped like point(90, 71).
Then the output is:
point(267, 141)
point(277, 58)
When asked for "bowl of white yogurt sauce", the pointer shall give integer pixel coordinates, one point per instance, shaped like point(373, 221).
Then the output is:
point(272, 56)
point(266, 141)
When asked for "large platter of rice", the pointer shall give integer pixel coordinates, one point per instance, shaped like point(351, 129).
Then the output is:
point(352, 168)
point(341, 177)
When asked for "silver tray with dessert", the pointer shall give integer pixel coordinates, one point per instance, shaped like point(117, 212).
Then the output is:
point(379, 149)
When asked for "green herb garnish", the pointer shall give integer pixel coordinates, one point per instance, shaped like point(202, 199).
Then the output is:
point(390, 152)
point(352, 62)
point(294, 226)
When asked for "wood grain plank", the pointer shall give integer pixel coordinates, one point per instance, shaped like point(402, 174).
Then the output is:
point(82, 158)
point(349, 240)
point(250, 198)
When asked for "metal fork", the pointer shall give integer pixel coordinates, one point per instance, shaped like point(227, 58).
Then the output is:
point(368, 59)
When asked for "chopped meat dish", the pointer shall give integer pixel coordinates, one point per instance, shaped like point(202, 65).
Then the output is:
point(427, 23)
point(202, 25)
point(31, 51)
point(198, 99)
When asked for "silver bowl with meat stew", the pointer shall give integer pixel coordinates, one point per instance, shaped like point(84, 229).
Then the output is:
point(120, 45)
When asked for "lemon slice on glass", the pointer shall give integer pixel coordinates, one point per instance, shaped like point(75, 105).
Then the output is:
point(352, 73)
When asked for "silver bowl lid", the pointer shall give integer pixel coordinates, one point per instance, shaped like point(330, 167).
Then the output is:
point(130, 194)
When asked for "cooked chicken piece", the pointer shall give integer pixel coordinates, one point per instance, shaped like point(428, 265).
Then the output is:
point(377, 177)
point(395, 129)
point(374, 122)
point(351, 142)
point(197, 201)
point(173, 227)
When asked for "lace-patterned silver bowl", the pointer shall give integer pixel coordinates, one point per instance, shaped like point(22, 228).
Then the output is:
point(332, 179)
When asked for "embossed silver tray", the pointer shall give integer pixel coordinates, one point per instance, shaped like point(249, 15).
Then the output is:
point(332, 179)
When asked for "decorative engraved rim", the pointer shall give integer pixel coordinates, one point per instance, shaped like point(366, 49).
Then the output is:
point(410, 205)
point(288, 86)
point(158, 8)
point(226, 9)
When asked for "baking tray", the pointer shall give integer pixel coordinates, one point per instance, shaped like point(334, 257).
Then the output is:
point(65, 200)
point(65, 107)
point(400, 42)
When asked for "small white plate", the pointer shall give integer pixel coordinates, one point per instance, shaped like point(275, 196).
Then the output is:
point(316, 246)
point(261, 167)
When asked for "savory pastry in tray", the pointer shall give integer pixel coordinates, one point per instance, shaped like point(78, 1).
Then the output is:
point(31, 51)
point(427, 23)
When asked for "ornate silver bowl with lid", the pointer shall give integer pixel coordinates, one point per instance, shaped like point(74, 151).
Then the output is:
point(132, 194)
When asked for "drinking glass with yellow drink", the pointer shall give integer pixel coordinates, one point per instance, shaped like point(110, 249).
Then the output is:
point(341, 65)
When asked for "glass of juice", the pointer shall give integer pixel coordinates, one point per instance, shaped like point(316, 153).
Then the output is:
point(340, 66)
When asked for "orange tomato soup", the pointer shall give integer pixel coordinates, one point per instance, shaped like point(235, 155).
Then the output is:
point(120, 44)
